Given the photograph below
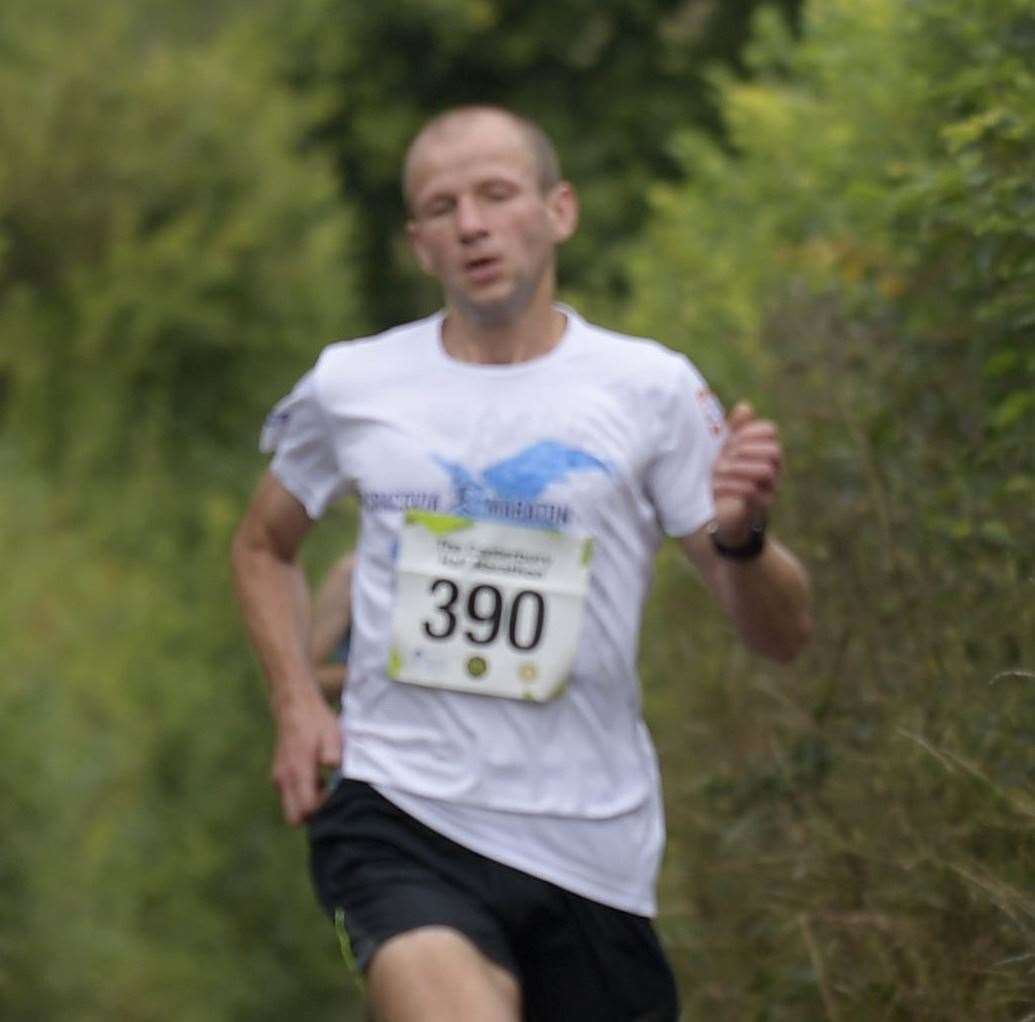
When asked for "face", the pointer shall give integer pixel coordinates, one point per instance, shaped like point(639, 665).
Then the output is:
point(480, 222)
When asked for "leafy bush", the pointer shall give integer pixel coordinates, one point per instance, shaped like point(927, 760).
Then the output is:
point(169, 261)
point(162, 270)
point(854, 838)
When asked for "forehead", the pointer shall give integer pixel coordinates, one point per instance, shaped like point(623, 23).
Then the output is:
point(455, 153)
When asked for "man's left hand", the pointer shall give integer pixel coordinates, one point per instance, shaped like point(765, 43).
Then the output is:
point(746, 475)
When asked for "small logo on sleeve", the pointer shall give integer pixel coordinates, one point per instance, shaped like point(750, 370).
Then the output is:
point(712, 411)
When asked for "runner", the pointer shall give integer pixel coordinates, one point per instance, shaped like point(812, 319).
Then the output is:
point(494, 845)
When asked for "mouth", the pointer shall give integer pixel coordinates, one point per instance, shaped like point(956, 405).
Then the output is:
point(483, 269)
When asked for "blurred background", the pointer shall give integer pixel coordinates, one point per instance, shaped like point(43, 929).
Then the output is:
point(829, 205)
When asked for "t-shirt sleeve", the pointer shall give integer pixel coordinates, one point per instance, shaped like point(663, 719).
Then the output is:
point(296, 433)
point(691, 430)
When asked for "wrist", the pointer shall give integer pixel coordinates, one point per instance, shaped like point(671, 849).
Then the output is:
point(294, 695)
point(745, 545)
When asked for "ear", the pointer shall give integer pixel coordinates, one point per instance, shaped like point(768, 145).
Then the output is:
point(562, 204)
point(420, 252)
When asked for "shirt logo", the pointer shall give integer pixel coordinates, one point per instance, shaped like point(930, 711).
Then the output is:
point(510, 489)
point(712, 411)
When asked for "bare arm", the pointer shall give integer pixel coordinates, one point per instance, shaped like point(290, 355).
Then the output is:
point(272, 591)
point(768, 598)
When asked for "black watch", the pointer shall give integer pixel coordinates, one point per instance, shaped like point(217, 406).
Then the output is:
point(746, 551)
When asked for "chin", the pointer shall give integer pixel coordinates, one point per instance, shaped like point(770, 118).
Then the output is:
point(497, 310)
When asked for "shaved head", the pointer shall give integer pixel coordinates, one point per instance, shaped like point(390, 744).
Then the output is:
point(540, 149)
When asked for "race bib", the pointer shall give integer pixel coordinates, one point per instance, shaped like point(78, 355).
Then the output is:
point(487, 607)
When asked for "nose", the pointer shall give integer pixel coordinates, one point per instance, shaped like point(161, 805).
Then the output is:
point(470, 222)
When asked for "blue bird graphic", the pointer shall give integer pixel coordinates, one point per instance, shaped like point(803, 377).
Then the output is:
point(524, 476)
point(471, 495)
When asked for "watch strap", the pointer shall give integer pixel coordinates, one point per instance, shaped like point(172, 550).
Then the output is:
point(746, 551)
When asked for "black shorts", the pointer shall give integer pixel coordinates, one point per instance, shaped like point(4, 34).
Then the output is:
point(385, 873)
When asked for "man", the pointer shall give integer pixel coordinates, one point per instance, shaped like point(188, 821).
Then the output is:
point(494, 845)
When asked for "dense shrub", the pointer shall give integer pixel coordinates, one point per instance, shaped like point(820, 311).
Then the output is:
point(167, 256)
point(854, 839)
point(169, 261)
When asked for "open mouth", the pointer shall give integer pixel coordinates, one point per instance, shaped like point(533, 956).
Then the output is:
point(483, 268)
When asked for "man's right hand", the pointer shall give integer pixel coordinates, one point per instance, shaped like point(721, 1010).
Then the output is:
point(308, 740)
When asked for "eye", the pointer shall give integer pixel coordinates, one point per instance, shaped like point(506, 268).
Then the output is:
point(499, 191)
point(437, 207)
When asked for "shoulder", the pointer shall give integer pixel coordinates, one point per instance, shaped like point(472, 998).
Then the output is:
point(348, 368)
point(384, 349)
point(656, 383)
point(641, 361)
point(365, 362)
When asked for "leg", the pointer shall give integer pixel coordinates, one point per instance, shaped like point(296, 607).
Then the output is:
point(415, 913)
point(435, 974)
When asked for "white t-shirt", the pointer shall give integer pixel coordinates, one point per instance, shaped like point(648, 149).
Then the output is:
point(606, 436)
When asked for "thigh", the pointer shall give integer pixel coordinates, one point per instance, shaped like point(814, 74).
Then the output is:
point(435, 974)
point(587, 960)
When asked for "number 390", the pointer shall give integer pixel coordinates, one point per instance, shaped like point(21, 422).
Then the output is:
point(486, 612)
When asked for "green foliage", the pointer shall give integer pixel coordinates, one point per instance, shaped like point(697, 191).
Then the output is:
point(896, 173)
point(857, 838)
point(146, 873)
point(971, 205)
point(162, 271)
point(169, 262)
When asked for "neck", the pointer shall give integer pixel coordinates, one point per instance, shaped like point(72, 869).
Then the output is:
point(532, 333)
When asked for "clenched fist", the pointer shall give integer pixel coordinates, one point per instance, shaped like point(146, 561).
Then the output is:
point(746, 474)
